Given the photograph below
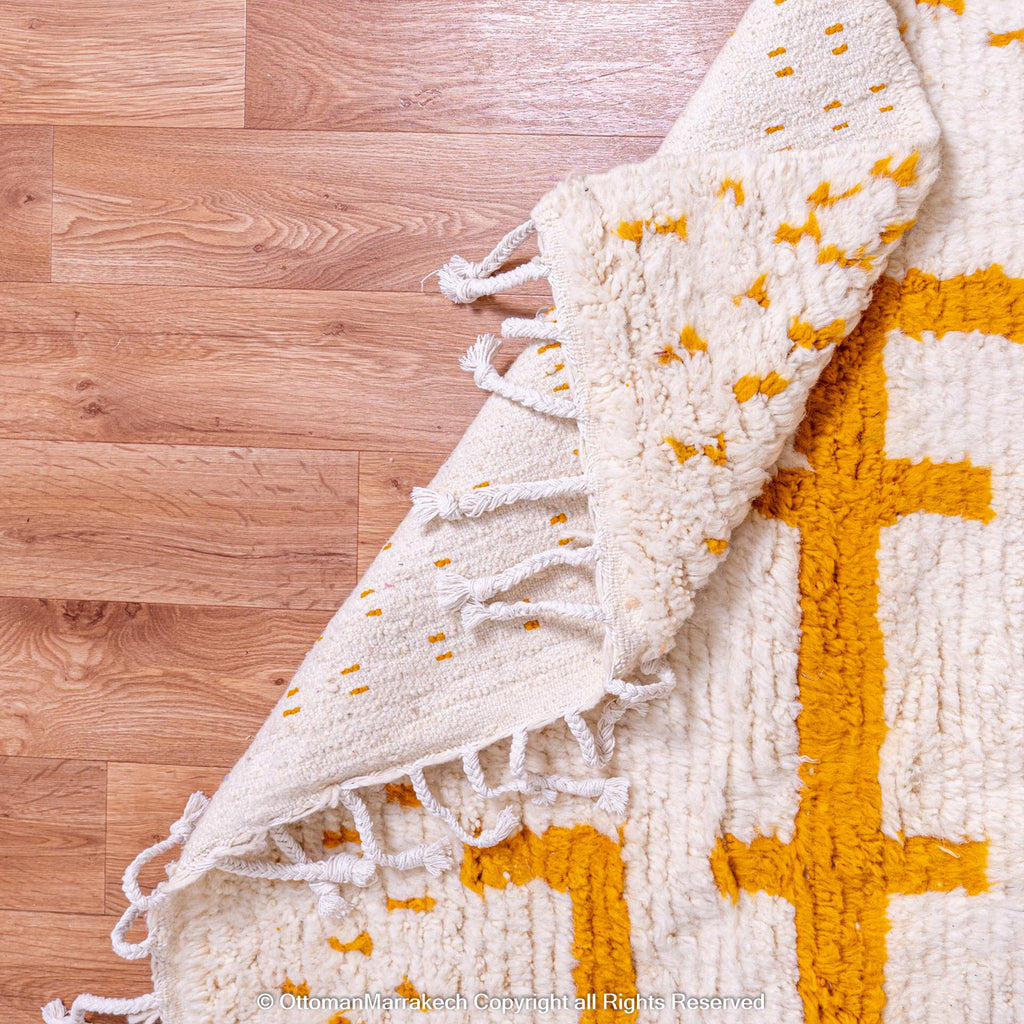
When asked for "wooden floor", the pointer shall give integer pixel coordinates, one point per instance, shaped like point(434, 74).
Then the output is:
point(221, 376)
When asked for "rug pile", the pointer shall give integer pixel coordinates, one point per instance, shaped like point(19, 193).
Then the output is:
point(693, 686)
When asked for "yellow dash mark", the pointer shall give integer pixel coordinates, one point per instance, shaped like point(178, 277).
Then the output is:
point(373, 611)
point(683, 451)
point(956, 6)
point(758, 291)
point(291, 693)
point(338, 1018)
point(443, 657)
point(550, 345)
point(807, 337)
point(350, 669)
point(834, 105)
point(332, 840)
point(715, 546)
point(289, 988)
point(833, 254)
point(565, 540)
point(777, 52)
point(532, 624)
point(367, 593)
point(1005, 38)
point(904, 173)
point(483, 483)
point(558, 368)
point(840, 127)
point(386, 546)
point(746, 387)
point(560, 518)
point(290, 711)
point(436, 638)
point(418, 904)
point(716, 452)
point(667, 355)
point(561, 387)
point(633, 231)
point(885, 110)
point(401, 793)
point(833, 29)
point(731, 184)
point(784, 73)
point(839, 50)
point(822, 195)
point(407, 990)
point(442, 562)
point(894, 231)
point(775, 127)
point(878, 88)
point(792, 233)
point(358, 690)
point(691, 340)
point(319, 638)
point(362, 943)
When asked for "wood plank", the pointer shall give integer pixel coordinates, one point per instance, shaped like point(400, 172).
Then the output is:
point(259, 527)
point(144, 800)
point(386, 480)
point(585, 67)
point(358, 211)
point(52, 821)
point(122, 62)
point(26, 176)
point(46, 955)
point(164, 684)
point(240, 367)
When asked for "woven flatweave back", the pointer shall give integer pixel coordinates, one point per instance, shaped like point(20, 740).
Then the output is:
point(693, 686)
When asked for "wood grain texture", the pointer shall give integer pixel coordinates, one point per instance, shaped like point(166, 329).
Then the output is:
point(168, 684)
point(52, 820)
point(122, 62)
point(582, 67)
point(239, 367)
point(222, 375)
point(385, 482)
point(143, 800)
point(26, 177)
point(359, 210)
point(172, 523)
point(47, 954)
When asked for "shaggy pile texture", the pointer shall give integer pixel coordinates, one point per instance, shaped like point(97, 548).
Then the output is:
point(759, 473)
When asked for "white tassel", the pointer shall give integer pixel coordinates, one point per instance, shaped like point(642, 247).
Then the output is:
point(140, 1010)
point(428, 504)
point(330, 903)
point(463, 281)
point(506, 823)
point(341, 868)
point(478, 362)
point(540, 328)
point(474, 613)
point(436, 857)
point(459, 285)
point(453, 590)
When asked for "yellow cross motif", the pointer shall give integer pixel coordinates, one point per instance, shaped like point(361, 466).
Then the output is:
point(839, 869)
point(587, 865)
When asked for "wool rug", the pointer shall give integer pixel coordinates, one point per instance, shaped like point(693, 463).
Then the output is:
point(693, 686)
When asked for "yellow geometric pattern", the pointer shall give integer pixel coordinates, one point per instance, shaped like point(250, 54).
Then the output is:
point(839, 869)
point(587, 865)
